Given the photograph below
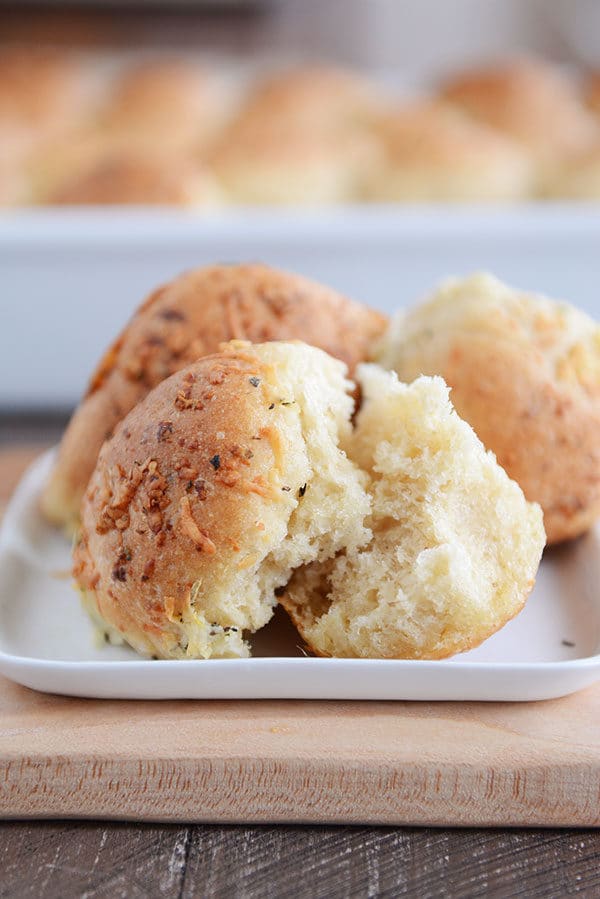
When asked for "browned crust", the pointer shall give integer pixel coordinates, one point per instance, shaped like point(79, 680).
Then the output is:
point(302, 136)
point(545, 433)
point(171, 500)
point(531, 101)
point(132, 177)
point(429, 132)
point(37, 85)
point(157, 93)
point(318, 97)
point(189, 318)
point(298, 615)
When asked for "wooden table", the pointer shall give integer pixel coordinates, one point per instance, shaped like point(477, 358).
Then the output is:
point(64, 859)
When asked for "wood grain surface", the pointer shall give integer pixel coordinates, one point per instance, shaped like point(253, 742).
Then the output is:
point(351, 762)
point(60, 860)
point(405, 763)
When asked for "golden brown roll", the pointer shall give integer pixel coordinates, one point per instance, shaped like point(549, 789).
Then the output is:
point(431, 152)
point(315, 99)
point(528, 100)
point(130, 176)
point(302, 138)
point(40, 89)
point(184, 320)
point(169, 102)
point(525, 373)
point(576, 177)
point(63, 159)
point(43, 91)
point(225, 478)
point(141, 147)
point(267, 163)
point(455, 547)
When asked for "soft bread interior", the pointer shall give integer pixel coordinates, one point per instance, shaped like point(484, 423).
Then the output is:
point(455, 545)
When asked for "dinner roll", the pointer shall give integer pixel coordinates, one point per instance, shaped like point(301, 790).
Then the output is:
point(302, 138)
point(525, 373)
point(225, 478)
point(430, 152)
point(272, 165)
point(576, 177)
point(530, 101)
point(315, 98)
point(41, 90)
point(169, 102)
point(136, 177)
point(183, 320)
point(455, 545)
point(64, 159)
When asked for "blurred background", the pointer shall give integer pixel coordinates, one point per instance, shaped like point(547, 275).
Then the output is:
point(342, 140)
point(420, 39)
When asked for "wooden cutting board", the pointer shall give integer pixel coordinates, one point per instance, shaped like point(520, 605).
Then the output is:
point(361, 762)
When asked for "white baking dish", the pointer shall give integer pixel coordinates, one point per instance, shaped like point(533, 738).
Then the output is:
point(69, 279)
point(47, 642)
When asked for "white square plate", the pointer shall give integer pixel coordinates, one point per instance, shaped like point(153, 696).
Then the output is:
point(47, 642)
